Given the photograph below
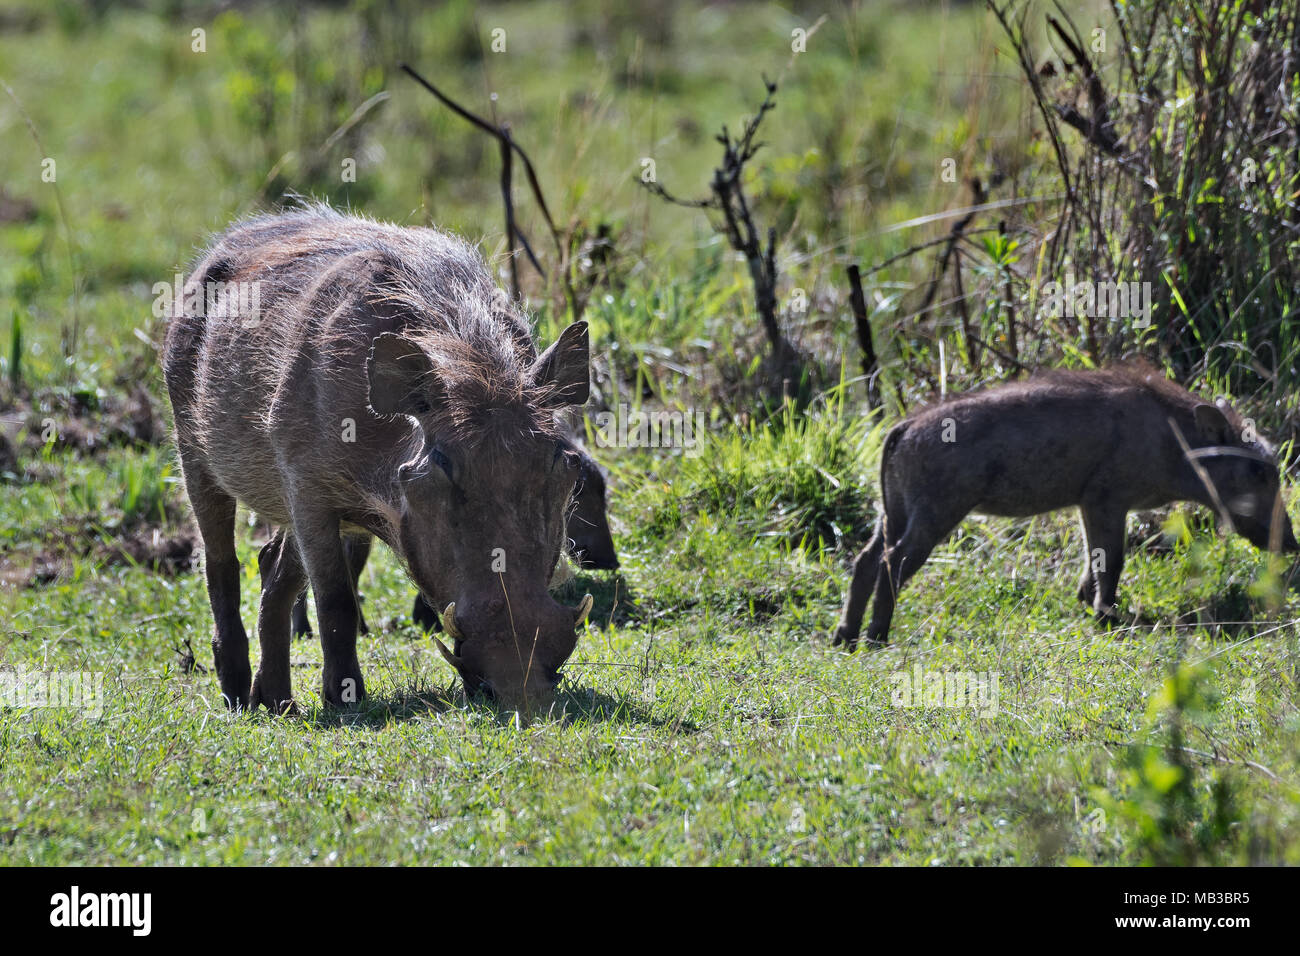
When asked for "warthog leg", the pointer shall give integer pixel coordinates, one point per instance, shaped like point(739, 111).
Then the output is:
point(337, 611)
point(283, 578)
point(214, 511)
point(1103, 533)
point(866, 566)
point(301, 623)
point(358, 548)
point(425, 616)
point(902, 558)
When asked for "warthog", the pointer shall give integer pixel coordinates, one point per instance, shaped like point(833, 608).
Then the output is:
point(590, 542)
point(388, 389)
point(1107, 441)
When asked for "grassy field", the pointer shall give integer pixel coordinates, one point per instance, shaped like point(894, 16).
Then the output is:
point(705, 717)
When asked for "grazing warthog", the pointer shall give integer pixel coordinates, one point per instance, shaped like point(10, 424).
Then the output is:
point(590, 542)
point(1107, 441)
point(386, 388)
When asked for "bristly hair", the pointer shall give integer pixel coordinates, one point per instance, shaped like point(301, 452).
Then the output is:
point(435, 287)
point(1137, 372)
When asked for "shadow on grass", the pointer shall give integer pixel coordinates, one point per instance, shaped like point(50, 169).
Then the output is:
point(379, 710)
point(613, 603)
point(573, 705)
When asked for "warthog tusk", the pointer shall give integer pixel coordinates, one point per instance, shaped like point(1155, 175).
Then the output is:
point(448, 620)
point(451, 658)
point(584, 608)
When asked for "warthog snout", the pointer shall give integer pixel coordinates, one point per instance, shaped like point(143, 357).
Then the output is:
point(1263, 525)
point(517, 667)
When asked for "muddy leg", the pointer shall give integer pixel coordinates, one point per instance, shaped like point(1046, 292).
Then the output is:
point(1104, 532)
point(866, 566)
point(282, 581)
point(898, 564)
point(336, 605)
point(215, 512)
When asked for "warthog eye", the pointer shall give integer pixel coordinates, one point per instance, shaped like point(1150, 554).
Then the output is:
point(411, 471)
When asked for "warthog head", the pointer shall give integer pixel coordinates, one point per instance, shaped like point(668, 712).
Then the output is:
point(482, 506)
point(1242, 468)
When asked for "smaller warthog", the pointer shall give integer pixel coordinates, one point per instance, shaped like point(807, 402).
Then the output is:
point(1109, 441)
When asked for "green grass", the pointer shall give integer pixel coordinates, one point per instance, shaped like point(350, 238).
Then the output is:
point(705, 718)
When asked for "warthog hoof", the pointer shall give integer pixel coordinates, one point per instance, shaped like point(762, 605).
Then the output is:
point(284, 707)
point(343, 691)
point(850, 639)
point(279, 702)
point(234, 688)
point(847, 637)
point(235, 703)
point(1107, 617)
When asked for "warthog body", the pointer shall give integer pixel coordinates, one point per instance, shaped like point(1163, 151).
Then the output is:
point(388, 389)
point(1105, 441)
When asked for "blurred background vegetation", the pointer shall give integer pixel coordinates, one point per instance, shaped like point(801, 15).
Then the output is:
point(167, 120)
point(157, 146)
point(962, 156)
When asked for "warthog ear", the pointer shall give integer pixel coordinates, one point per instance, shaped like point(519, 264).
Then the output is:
point(565, 367)
point(1213, 424)
point(402, 379)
